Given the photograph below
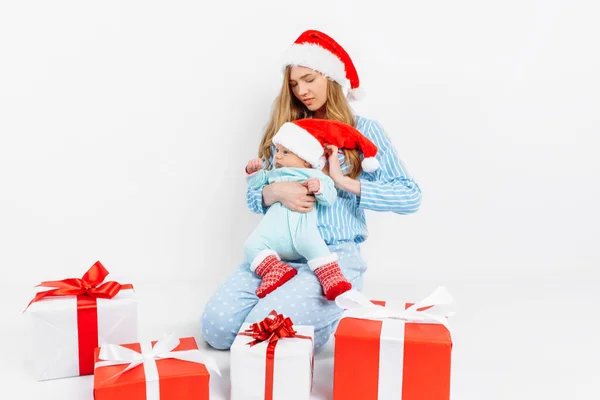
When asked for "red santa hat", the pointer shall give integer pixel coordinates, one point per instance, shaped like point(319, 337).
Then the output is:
point(307, 137)
point(316, 50)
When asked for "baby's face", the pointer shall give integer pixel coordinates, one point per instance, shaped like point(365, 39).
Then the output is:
point(285, 158)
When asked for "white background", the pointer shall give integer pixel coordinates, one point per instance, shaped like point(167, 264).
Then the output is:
point(125, 127)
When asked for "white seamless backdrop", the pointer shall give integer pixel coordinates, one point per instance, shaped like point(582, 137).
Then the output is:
point(125, 127)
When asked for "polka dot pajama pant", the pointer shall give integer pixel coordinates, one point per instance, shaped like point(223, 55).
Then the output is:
point(301, 299)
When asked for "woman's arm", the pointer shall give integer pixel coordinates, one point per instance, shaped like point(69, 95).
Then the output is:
point(389, 188)
point(292, 195)
point(254, 201)
point(256, 182)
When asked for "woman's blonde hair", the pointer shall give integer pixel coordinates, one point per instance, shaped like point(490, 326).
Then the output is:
point(287, 107)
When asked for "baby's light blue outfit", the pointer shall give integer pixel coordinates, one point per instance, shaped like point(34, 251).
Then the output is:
point(292, 235)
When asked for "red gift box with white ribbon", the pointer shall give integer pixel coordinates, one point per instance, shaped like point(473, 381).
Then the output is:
point(168, 369)
point(382, 352)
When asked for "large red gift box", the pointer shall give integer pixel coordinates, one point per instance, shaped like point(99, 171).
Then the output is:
point(392, 358)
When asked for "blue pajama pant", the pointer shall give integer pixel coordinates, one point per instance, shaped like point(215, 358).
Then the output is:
point(301, 299)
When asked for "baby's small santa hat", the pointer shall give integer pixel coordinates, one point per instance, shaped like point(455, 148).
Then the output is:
point(316, 50)
point(307, 137)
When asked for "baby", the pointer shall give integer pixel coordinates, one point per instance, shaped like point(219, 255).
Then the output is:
point(284, 234)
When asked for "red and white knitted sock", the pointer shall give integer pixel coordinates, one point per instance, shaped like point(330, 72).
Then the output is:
point(274, 273)
point(331, 277)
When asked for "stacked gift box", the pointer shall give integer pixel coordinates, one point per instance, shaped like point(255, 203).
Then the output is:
point(88, 326)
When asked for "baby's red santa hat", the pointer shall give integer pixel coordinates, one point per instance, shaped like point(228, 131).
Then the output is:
point(316, 50)
point(307, 137)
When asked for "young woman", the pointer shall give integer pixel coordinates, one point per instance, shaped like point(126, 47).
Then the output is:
point(318, 80)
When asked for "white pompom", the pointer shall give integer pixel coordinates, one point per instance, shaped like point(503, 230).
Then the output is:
point(370, 164)
point(356, 94)
point(320, 164)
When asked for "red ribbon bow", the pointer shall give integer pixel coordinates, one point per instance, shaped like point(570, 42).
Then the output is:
point(89, 285)
point(87, 290)
point(272, 328)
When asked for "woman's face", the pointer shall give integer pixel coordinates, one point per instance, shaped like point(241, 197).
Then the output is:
point(309, 86)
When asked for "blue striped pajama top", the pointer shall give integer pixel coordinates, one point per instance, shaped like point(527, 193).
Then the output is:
point(390, 188)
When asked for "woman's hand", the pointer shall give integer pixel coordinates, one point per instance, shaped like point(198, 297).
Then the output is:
point(333, 167)
point(334, 170)
point(293, 195)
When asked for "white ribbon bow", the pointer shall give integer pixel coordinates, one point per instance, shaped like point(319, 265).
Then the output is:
point(112, 354)
point(441, 304)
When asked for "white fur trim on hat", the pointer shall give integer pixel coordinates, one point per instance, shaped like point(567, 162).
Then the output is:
point(321, 164)
point(370, 164)
point(320, 261)
point(300, 142)
point(261, 257)
point(316, 57)
point(356, 94)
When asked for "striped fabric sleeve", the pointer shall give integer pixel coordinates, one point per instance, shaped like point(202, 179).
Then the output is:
point(257, 180)
point(254, 198)
point(254, 201)
point(390, 188)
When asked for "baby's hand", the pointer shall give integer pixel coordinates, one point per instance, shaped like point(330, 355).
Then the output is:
point(254, 165)
point(313, 185)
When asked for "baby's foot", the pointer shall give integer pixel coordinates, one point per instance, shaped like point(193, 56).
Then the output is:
point(274, 273)
point(333, 280)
